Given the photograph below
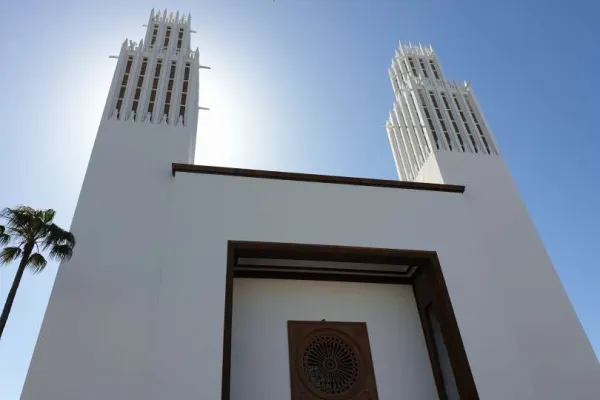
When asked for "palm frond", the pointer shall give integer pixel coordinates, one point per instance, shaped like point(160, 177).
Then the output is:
point(20, 221)
point(14, 217)
point(61, 252)
point(48, 215)
point(57, 236)
point(12, 213)
point(37, 225)
point(36, 263)
point(4, 237)
point(52, 236)
point(9, 254)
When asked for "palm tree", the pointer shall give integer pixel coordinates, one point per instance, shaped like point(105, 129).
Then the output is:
point(30, 232)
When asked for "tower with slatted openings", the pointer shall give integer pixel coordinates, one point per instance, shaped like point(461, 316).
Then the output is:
point(439, 134)
point(156, 79)
point(122, 215)
point(431, 115)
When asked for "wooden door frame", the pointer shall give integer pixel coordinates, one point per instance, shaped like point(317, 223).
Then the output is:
point(427, 282)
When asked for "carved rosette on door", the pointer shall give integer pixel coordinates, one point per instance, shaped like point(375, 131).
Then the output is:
point(330, 361)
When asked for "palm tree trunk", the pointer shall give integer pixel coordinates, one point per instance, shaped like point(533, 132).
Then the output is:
point(15, 286)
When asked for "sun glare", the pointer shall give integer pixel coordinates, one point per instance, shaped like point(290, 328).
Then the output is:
point(227, 131)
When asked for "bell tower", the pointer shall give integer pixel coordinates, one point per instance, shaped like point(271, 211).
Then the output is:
point(431, 115)
point(439, 134)
point(155, 83)
point(122, 215)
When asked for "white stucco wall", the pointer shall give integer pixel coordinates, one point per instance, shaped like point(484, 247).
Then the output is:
point(145, 320)
point(551, 341)
point(235, 208)
point(430, 171)
point(261, 309)
point(99, 322)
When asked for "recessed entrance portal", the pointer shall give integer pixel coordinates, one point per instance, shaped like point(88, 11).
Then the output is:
point(372, 318)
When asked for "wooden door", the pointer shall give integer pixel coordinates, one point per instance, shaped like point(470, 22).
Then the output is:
point(330, 361)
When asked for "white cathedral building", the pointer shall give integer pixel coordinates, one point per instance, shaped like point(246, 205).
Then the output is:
point(200, 282)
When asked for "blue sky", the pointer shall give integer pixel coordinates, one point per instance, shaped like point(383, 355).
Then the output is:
point(302, 85)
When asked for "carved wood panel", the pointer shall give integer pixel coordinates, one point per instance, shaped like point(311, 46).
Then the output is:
point(330, 361)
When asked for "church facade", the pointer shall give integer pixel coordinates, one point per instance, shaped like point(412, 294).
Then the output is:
point(200, 282)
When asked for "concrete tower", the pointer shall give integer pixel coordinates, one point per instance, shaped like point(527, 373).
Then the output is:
point(156, 83)
point(431, 114)
point(438, 134)
point(149, 122)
